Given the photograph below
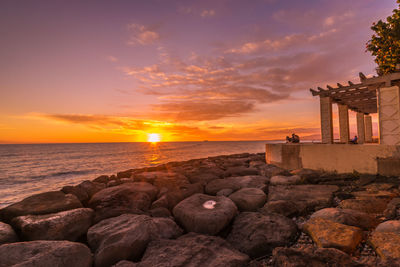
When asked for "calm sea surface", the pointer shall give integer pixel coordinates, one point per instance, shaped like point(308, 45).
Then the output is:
point(35, 168)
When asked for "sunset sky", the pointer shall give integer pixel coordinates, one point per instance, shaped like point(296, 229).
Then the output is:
point(115, 71)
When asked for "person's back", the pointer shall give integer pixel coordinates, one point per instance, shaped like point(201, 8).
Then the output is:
point(295, 138)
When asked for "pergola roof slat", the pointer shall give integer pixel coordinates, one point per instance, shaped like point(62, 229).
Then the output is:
point(360, 97)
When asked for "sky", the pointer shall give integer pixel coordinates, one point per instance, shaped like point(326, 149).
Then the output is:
point(117, 71)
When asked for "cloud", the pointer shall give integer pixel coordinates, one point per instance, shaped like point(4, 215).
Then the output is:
point(197, 11)
point(112, 59)
point(177, 131)
point(142, 35)
point(207, 13)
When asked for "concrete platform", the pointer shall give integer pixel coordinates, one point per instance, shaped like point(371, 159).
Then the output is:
point(342, 158)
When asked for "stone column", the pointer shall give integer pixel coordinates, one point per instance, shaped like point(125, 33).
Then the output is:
point(326, 120)
point(389, 115)
point(344, 127)
point(360, 128)
point(368, 128)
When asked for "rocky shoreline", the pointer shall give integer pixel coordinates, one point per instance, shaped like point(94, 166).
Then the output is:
point(233, 210)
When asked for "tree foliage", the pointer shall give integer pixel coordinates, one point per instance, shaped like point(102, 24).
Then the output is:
point(385, 42)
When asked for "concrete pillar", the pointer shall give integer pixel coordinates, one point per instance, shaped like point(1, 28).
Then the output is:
point(326, 120)
point(344, 127)
point(360, 128)
point(368, 128)
point(389, 115)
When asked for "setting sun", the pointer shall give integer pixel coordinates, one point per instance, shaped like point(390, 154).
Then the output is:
point(153, 138)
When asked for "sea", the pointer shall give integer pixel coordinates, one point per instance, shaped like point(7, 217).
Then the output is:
point(27, 169)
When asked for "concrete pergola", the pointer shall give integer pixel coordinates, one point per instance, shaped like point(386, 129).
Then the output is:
point(372, 95)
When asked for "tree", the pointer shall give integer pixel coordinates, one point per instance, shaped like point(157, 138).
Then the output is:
point(385, 42)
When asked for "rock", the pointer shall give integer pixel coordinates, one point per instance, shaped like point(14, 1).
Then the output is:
point(203, 178)
point(307, 175)
point(257, 235)
point(125, 264)
point(43, 203)
point(376, 194)
point(392, 210)
point(375, 187)
point(7, 234)
point(328, 234)
point(173, 196)
point(205, 214)
point(389, 226)
point(126, 237)
point(236, 183)
point(162, 202)
point(84, 191)
point(45, 253)
point(348, 217)
point(225, 192)
point(160, 212)
point(283, 207)
point(102, 179)
point(240, 171)
point(272, 170)
point(125, 174)
point(370, 205)
point(126, 180)
point(170, 180)
point(322, 257)
point(285, 180)
point(249, 199)
point(193, 250)
point(386, 245)
point(112, 183)
point(305, 197)
point(126, 198)
point(64, 225)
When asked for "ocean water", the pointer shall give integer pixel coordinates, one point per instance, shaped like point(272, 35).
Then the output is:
point(33, 168)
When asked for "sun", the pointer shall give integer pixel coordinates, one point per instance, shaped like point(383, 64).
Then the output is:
point(153, 138)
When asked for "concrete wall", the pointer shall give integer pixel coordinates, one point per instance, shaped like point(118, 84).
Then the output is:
point(343, 158)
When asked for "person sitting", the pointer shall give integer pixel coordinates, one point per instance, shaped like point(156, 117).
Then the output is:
point(288, 139)
point(354, 140)
point(295, 138)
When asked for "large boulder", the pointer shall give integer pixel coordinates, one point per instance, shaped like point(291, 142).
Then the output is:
point(45, 253)
point(285, 180)
point(43, 203)
point(348, 217)
point(322, 257)
point(257, 234)
point(193, 250)
point(389, 226)
point(284, 207)
point(205, 214)
point(240, 171)
point(170, 180)
point(249, 199)
point(329, 234)
point(84, 191)
point(236, 183)
point(272, 170)
point(386, 245)
point(366, 205)
point(171, 197)
point(64, 225)
point(126, 237)
point(7, 234)
point(392, 210)
point(126, 198)
point(305, 197)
